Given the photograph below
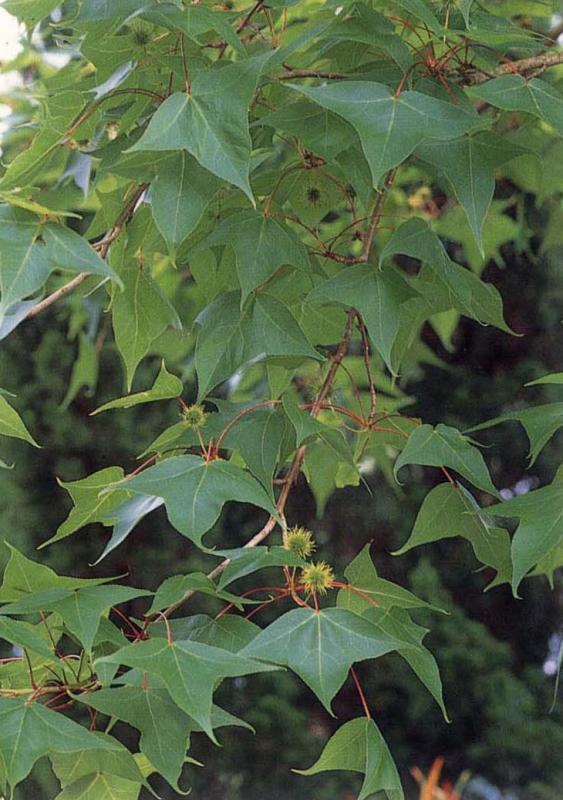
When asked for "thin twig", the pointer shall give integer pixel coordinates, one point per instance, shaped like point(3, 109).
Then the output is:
point(292, 74)
point(375, 219)
point(360, 692)
point(367, 362)
point(520, 67)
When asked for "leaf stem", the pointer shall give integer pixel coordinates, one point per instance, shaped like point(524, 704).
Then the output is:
point(360, 692)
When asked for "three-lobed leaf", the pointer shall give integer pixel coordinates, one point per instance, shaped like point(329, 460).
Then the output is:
point(321, 646)
point(194, 491)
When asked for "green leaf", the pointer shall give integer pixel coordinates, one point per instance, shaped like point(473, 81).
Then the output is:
point(174, 588)
point(229, 632)
point(306, 427)
point(320, 131)
point(377, 295)
point(145, 707)
point(261, 245)
point(190, 671)
point(444, 446)
point(165, 387)
point(117, 761)
point(100, 786)
point(367, 27)
point(389, 127)
point(475, 299)
point(30, 11)
point(515, 93)
point(358, 746)
point(540, 424)
point(258, 438)
point(96, 10)
point(90, 503)
point(61, 110)
point(139, 315)
point(81, 609)
point(392, 618)
point(180, 193)
point(362, 574)
point(540, 530)
point(469, 164)
point(244, 561)
point(29, 253)
point(229, 338)
point(329, 465)
point(24, 635)
point(321, 646)
point(194, 491)
point(211, 122)
point(195, 21)
point(448, 512)
point(419, 9)
point(29, 731)
point(24, 577)
point(554, 377)
point(11, 424)
point(84, 370)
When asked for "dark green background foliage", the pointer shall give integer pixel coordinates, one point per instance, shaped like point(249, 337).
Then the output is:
point(479, 166)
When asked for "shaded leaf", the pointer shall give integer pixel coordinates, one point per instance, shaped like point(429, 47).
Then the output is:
point(90, 503)
point(11, 424)
point(541, 526)
point(173, 589)
point(190, 672)
point(448, 512)
point(261, 245)
point(539, 422)
point(117, 761)
point(165, 387)
point(244, 561)
point(389, 127)
point(473, 297)
point(554, 377)
point(230, 338)
point(180, 193)
point(23, 577)
point(377, 295)
point(358, 746)
point(258, 438)
point(469, 165)
point(84, 370)
point(29, 731)
point(362, 574)
point(444, 446)
point(194, 21)
point(24, 635)
point(321, 131)
point(139, 315)
point(81, 609)
point(515, 93)
point(29, 253)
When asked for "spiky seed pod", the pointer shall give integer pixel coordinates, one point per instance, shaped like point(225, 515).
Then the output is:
point(194, 417)
point(317, 578)
point(299, 541)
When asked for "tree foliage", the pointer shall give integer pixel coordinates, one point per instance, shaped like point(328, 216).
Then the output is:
point(259, 195)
